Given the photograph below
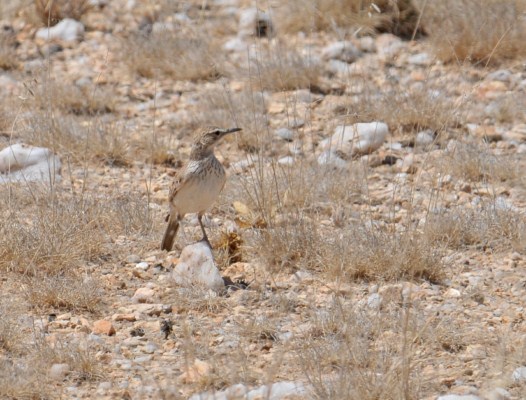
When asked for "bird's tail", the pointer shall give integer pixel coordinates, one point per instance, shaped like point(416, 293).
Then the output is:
point(169, 235)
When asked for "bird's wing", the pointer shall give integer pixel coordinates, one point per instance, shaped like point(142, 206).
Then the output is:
point(176, 184)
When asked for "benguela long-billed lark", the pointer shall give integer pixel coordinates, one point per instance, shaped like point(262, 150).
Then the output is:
point(197, 184)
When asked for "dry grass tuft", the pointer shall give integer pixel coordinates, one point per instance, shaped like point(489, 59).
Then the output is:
point(77, 140)
point(310, 224)
point(11, 340)
point(378, 253)
point(62, 292)
point(397, 17)
point(195, 299)
point(481, 32)
point(52, 235)
point(406, 111)
point(51, 12)
point(89, 100)
point(359, 251)
point(490, 226)
point(8, 55)
point(354, 353)
point(191, 55)
point(472, 161)
point(81, 359)
point(22, 380)
point(245, 109)
point(282, 68)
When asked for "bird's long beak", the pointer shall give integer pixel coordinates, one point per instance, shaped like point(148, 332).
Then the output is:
point(232, 130)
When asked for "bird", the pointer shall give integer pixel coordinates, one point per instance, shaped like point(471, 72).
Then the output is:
point(197, 184)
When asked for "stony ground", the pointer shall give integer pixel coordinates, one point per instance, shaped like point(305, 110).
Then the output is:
point(390, 269)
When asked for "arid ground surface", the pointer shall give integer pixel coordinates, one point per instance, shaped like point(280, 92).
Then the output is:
point(386, 270)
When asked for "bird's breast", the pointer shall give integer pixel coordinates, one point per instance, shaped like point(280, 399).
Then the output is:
point(201, 188)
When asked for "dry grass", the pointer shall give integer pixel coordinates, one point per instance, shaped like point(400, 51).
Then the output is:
point(77, 139)
point(194, 299)
point(406, 110)
point(244, 109)
point(473, 161)
point(8, 55)
point(490, 226)
point(190, 55)
point(481, 32)
point(340, 247)
point(53, 234)
point(11, 339)
point(51, 12)
point(507, 109)
point(400, 18)
point(51, 237)
point(22, 380)
point(71, 292)
point(10, 8)
point(354, 353)
point(281, 67)
point(89, 100)
point(81, 359)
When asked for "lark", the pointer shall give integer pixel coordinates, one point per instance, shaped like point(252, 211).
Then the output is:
point(197, 184)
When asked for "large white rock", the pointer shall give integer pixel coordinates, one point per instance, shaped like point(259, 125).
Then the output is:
point(519, 375)
point(23, 163)
point(344, 51)
point(331, 159)
point(254, 22)
point(356, 139)
point(274, 391)
point(196, 267)
point(67, 30)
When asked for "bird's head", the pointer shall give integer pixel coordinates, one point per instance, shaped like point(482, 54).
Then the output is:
point(205, 140)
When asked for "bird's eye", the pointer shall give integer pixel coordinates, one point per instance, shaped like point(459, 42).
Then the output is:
point(217, 133)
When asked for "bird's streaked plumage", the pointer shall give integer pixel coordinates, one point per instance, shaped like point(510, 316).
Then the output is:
point(197, 184)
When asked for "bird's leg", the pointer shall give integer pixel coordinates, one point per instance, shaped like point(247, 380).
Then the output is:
point(205, 237)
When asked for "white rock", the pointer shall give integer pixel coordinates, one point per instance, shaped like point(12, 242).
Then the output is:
point(67, 30)
point(374, 301)
point(422, 59)
point(97, 3)
point(388, 45)
point(144, 295)
point(459, 397)
point(104, 386)
point(360, 138)
point(367, 44)
point(285, 134)
point(142, 266)
point(236, 44)
point(519, 375)
point(498, 394)
point(23, 163)
point(331, 159)
point(452, 293)
point(338, 67)
point(150, 348)
point(58, 372)
point(254, 22)
point(275, 391)
point(287, 160)
point(197, 267)
point(424, 138)
point(343, 51)
point(502, 75)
